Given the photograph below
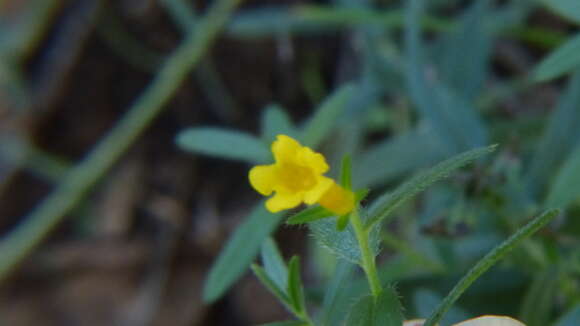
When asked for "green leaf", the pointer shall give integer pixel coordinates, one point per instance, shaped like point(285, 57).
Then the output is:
point(570, 318)
point(324, 119)
point(239, 251)
point(337, 299)
point(560, 137)
point(569, 9)
point(450, 115)
point(361, 194)
point(295, 288)
point(536, 307)
point(396, 156)
point(467, 51)
point(274, 263)
point(309, 215)
point(387, 203)
point(386, 310)
point(342, 243)
point(271, 285)
point(563, 60)
point(565, 187)
point(276, 121)
point(346, 173)
point(342, 222)
point(223, 143)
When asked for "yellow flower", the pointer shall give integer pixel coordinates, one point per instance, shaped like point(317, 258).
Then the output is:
point(479, 321)
point(297, 177)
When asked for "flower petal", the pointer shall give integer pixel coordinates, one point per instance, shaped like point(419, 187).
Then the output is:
point(491, 321)
point(263, 178)
point(285, 149)
point(315, 161)
point(322, 186)
point(338, 200)
point(283, 200)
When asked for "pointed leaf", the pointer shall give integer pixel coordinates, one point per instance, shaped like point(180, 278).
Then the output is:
point(271, 285)
point(309, 215)
point(295, 288)
point(387, 203)
point(239, 252)
point(274, 264)
point(346, 173)
point(564, 59)
point(223, 143)
point(324, 119)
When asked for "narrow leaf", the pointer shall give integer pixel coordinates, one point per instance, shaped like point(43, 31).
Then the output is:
point(450, 115)
point(223, 143)
point(309, 215)
point(342, 222)
point(563, 60)
point(387, 203)
point(570, 9)
point(295, 288)
point(536, 307)
point(361, 313)
point(276, 121)
point(274, 263)
point(336, 297)
point(239, 251)
point(346, 173)
point(565, 188)
point(560, 137)
point(270, 284)
point(324, 119)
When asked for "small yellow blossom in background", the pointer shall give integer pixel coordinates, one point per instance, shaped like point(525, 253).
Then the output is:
point(479, 321)
point(297, 177)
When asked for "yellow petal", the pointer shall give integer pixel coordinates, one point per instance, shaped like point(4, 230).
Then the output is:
point(263, 178)
point(283, 200)
point(491, 321)
point(285, 149)
point(315, 161)
point(338, 200)
point(322, 186)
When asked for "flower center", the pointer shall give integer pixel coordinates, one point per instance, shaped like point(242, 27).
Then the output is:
point(296, 177)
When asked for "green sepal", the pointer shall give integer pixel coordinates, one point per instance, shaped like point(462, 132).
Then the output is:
point(342, 222)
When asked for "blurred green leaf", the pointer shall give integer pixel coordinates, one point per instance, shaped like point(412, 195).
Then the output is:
point(564, 59)
point(396, 156)
point(565, 188)
point(342, 222)
point(239, 251)
point(295, 289)
point(271, 285)
point(336, 298)
point(274, 264)
point(276, 121)
point(570, 9)
point(451, 117)
point(346, 173)
point(467, 52)
point(536, 307)
point(560, 136)
point(386, 310)
point(309, 215)
point(223, 143)
point(325, 117)
point(425, 301)
point(570, 318)
point(383, 206)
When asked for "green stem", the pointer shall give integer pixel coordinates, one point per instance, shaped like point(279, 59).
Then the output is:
point(19, 243)
point(486, 262)
point(368, 258)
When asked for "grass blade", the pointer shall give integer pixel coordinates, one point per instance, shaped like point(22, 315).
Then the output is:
point(563, 60)
point(487, 262)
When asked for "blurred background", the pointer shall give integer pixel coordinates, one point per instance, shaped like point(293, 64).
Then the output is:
point(130, 241)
